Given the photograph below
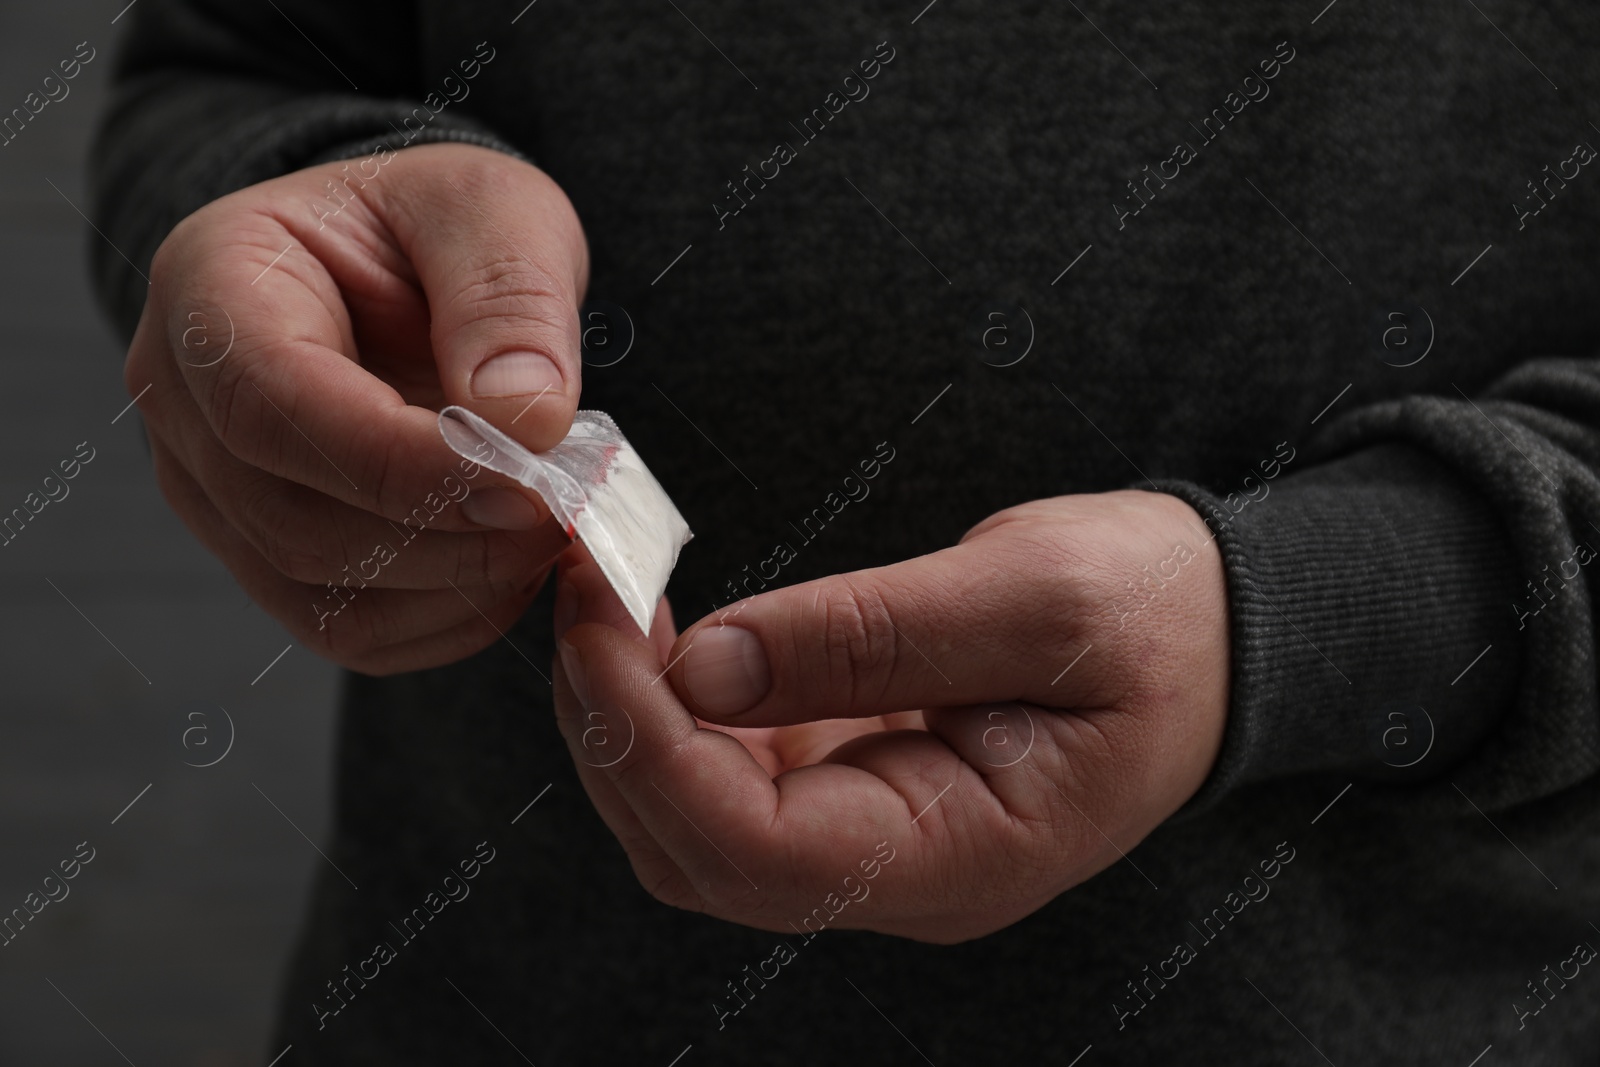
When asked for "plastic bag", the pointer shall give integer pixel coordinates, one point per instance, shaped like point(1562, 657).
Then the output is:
point(599, 489)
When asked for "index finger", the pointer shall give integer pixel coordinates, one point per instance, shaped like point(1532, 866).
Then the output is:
point(754, 848)
point(278, 381)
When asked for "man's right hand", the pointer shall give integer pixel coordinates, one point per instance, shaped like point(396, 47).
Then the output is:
point(296, 352)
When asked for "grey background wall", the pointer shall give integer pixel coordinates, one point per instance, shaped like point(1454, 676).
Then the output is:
point(170, 941)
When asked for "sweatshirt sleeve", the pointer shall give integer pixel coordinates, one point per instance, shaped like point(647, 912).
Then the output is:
point(210, 96)
point(1412, 602)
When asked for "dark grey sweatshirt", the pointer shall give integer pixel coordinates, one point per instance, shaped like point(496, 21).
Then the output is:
point(1330, 277)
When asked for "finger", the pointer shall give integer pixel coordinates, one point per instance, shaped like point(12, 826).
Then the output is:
point(706, 834)
point(763, 851)
point(972, 850)
point(310, 536)
point(313, 538)
point(704, 800)
point(377, 631)
point(952, 628)
point(583, 589)
point(263, 344)
point(599, 740)
point(1037, 761)
point(497, 612)
point(503, 261)
point(581, 578)
point(724, 799)
point(582, 582)
point(974, 845)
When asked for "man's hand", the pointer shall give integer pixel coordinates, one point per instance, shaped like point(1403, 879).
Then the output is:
point(298, 339)
point(1004, 719)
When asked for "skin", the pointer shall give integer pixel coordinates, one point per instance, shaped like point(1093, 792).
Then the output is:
point(924, 710)
point(304, 447)
point(889, 685)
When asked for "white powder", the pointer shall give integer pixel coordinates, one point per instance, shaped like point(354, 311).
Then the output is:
point(599, 489)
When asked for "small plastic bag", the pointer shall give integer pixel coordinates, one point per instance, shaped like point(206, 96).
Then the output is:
point(599, 489)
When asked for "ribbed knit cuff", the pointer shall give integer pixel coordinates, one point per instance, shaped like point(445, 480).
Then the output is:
point(1358, 591)
point(371, 144)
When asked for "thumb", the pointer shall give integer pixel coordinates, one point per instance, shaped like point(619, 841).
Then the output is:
point(502, 259)
point(941, 630)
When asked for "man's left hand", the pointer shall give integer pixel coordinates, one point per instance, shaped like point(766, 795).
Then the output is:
point(1003, 719)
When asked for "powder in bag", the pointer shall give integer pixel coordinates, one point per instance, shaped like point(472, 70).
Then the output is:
point(599, 489)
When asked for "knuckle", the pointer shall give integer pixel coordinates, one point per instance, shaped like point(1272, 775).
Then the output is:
point(376, 465)
point(625, 771)
point(356, 625)
point(469, 639)
point(731, 895)
point(496, 180)
point(1041, 578)
point(169, 255)
point(489, 176)
point(666, 887)
point(136, 371)
point(670, 886)
point(859, 638)
point(162, 261)
point(293, 562)
point(343, 637)
point(475, 559)
point(146, 350)
point(511, 287)
point(233, 407)
point(286, 539)
point(397, 642)
point(491, 618)
point(503, 558)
